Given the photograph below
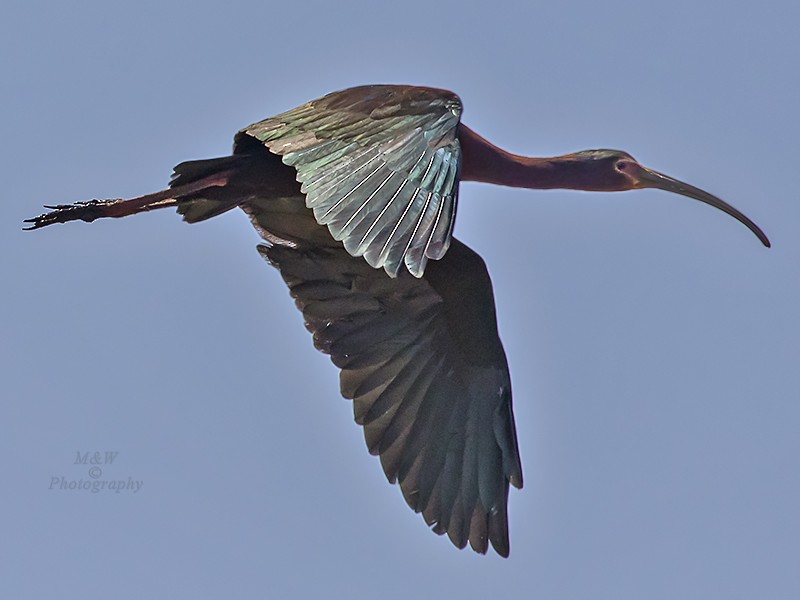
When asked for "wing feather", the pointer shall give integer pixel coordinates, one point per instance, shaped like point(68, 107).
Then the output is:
point(355, 150)
point(436, 415)
point(422, 362)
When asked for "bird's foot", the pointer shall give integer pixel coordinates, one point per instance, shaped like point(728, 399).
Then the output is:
point(62, 213)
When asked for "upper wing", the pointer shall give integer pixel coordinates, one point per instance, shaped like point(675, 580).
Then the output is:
point(422, 361)
point(379, 166)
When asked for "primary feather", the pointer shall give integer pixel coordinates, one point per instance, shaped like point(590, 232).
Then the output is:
point(379, 166)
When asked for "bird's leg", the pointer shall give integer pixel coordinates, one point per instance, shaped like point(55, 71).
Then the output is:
point(118, 207)
point(94, 209)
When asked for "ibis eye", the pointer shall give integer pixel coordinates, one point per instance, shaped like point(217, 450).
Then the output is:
point(622, 165)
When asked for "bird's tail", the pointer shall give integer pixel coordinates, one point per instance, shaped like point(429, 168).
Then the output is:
point(197, 188)
point(211, 200)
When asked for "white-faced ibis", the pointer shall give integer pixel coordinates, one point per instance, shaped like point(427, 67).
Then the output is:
point(416, 342)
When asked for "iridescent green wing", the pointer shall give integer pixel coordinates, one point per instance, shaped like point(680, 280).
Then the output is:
point(379, 166)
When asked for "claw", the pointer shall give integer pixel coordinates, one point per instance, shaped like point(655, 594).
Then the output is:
point(62, 213)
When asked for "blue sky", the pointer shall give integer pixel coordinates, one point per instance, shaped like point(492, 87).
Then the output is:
point(652, 341)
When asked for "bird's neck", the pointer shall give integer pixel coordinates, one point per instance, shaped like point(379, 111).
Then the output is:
point(483, 161)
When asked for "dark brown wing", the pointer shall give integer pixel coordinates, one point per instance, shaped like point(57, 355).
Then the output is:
point(423, 363)
point(379, 166)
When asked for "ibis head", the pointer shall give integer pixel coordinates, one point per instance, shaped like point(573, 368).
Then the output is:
point(617, 171)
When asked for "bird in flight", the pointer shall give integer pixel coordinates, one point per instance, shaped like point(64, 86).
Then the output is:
point(355, 196)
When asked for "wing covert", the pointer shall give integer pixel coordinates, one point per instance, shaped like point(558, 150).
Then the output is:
point(379, 166)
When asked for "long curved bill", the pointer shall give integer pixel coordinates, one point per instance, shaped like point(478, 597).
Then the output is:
point(647, 178)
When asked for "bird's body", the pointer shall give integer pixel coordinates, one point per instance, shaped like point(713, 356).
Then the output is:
point(355, 195)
